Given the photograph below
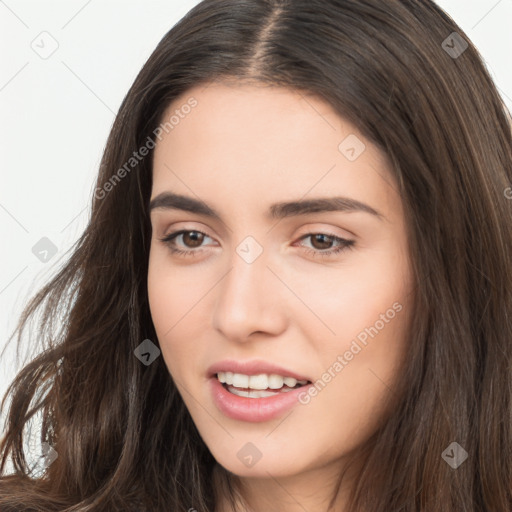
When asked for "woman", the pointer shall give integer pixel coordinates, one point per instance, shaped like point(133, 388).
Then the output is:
point(293, 291)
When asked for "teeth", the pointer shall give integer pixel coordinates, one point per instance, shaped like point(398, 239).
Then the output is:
point(240, 381)
point(258, 382)
point(275, 381)
point(290, 381)
point(257, 393)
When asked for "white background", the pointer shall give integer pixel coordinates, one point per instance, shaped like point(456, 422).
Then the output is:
point(56, 114)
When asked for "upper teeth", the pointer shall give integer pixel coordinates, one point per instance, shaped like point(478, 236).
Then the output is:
point(262, 381)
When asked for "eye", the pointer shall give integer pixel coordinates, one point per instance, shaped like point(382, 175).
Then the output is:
point(193, 239)
point(323, 239)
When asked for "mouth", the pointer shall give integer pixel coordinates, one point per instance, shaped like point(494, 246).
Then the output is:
point(258, 386)
point(255, 390)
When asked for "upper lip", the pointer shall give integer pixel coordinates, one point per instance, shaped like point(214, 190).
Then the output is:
point(253, 367)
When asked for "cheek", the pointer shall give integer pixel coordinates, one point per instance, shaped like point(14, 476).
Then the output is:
point(361, 363)
point(165, 295)
point(372, 329)
point(161, 292)
point(172, 291)
point(360, 300)
point(178, 306)
point(367, 308)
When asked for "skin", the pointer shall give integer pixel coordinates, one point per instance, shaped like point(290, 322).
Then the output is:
point(242, 148)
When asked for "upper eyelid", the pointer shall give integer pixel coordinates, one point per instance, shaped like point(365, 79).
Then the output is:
point(176, 233)
point(309, 231)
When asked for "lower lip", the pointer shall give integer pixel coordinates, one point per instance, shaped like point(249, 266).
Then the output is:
point(253, 409)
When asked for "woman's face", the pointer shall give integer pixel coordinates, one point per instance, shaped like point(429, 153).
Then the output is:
point(280, 282)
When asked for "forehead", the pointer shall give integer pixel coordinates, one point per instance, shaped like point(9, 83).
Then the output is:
point(263, 118)
point(264, 142)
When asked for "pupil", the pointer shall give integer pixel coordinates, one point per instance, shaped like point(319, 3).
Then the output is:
point(196, 238)
point(324, 237)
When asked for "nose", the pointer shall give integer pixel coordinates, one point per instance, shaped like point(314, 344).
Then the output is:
point(250, 299)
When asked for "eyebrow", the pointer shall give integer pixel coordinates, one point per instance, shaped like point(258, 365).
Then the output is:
point(172, 201)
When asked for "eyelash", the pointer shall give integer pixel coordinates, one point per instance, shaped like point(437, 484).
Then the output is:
point(345, 244)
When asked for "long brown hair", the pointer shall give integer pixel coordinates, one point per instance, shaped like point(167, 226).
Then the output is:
point(395, 70)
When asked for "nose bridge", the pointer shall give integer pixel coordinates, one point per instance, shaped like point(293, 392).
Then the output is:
point(246, 299)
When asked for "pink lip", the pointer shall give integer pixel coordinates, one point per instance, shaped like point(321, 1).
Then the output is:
point(254, 367)
point(252, 409)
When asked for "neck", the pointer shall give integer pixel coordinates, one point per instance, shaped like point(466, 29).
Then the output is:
point(319, 489)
